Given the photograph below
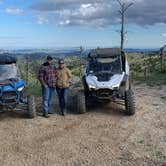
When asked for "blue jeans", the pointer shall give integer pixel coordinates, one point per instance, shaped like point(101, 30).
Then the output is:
point(47, 94)
point(62, 95)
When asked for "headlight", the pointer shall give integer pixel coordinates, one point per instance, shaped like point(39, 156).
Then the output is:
point(20, 88)
point(115, 86)
point(92, 87)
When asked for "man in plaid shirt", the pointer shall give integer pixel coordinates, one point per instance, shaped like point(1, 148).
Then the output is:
point(47, 78)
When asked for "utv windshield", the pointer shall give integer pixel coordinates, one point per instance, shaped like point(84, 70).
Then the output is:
point(109, 65)
point(8, 71)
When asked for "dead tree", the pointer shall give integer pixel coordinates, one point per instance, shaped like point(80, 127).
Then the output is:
point(81, 51)
point(123, 9)
point(27, 68)
point(162, 53)
point(162, 56)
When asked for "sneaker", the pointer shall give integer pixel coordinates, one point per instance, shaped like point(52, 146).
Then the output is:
point(64, 112)
point(46, 115)
point(50, 113)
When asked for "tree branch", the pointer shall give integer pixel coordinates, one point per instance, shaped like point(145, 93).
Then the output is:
point(129, 5)
point(120, 3)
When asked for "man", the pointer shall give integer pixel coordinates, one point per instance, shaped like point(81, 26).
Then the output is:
point(63, 81)
point(47, 78)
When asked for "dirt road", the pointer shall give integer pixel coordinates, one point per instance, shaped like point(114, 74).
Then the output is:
point(102, 137)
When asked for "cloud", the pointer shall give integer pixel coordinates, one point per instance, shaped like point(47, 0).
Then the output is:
point(163, 35)
point(148, 12)
point(42, 20)
point(11, 11)
point(52, 5)
point(93, 15)
point(101, 13)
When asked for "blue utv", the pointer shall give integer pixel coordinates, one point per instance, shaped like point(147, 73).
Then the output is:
point(12, 88)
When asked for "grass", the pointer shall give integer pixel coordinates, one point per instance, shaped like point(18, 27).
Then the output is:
point(141, 141)
point(158, 154)
point(151, 80)
point(158, 78)
point(149, 65)
point(164, 164)
point(34, 90)
point(163, 97)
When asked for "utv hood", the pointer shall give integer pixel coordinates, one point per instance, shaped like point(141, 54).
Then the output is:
point(114, 82)
point(10, 85)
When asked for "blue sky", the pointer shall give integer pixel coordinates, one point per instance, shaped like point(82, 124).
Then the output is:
point(72, 23)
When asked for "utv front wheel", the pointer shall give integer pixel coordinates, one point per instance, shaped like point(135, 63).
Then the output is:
point(31, 106)
point(80, 102)
point(129, 102)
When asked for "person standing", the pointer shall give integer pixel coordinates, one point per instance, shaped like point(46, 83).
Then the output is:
point(47, 78)
point(64, 77)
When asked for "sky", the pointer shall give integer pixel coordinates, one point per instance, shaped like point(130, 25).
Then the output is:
point(87, 23)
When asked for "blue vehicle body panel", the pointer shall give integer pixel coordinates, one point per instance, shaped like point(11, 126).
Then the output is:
point(15, 86)
point(12, 88)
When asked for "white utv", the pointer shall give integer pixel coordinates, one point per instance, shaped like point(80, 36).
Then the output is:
point(106, 79)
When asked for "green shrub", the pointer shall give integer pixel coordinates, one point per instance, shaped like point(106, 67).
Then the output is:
point(33, 89)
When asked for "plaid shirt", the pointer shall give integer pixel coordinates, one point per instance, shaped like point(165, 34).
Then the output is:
point(47, 75)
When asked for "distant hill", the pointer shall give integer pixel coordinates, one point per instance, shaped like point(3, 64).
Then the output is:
point(60, 53)
point(146, 50)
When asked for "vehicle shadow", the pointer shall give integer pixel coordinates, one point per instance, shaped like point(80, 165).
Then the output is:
point(55, 109)
point(101, 108)
point(13, 114)
point(107, 108)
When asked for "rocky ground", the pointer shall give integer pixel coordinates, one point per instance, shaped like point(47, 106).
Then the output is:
point(103, 136)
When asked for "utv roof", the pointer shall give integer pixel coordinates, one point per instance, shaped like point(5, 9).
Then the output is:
point(5, 59)
point(104, 53)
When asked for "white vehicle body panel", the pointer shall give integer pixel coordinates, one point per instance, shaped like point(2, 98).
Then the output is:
point(113, 83)
point(127, 68)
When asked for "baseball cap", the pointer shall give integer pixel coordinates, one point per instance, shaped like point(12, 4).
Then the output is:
point(49, 58)
point(61, 61)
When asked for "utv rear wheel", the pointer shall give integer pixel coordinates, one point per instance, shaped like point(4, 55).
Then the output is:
point(129, 102)
point(80, 102)
point(31, 107)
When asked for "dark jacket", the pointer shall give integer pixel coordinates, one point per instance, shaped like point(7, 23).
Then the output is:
point(47, 75)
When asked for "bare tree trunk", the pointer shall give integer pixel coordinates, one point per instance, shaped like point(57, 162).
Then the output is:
point(161, 56)
point(122, 11)
point(27, 69)
point(122, 29)
point(81, 50)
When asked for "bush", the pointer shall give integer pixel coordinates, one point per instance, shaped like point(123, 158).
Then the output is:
point(147, 69)
point(33, 89)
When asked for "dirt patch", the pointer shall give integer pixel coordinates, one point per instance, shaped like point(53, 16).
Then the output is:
point(102, 137)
